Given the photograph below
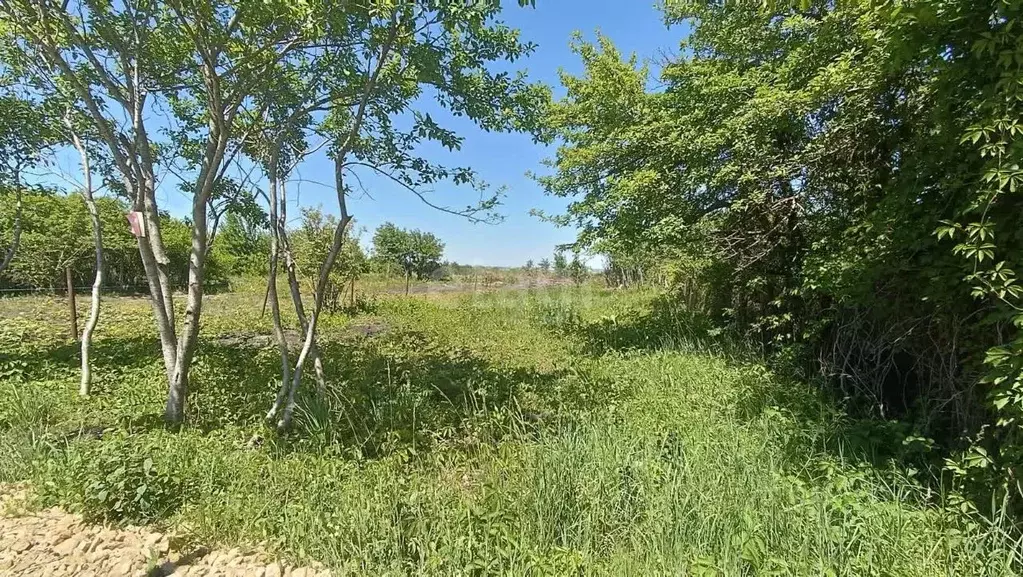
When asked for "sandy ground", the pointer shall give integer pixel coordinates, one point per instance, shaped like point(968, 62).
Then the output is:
point(56, 543)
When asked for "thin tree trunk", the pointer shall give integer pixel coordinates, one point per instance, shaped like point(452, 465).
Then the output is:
point(72, 308)
point(161, 261)
point(97, 241)
point(310, 332)
point(296, 298)
point(321, 285)
point(16, 239)
point(408, 280)
point(279, 244)
point(177, 391)
point(339, 232)
point(275, 305)
point(94, 307)
point(164, 317)
point(296, 295)
point(151, 247)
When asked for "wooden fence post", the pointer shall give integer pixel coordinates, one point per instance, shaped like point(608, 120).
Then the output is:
point(72, 308)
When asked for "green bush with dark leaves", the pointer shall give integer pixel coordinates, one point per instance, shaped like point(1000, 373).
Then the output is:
point(842, 182)
point(115, 478)
point(56, 234)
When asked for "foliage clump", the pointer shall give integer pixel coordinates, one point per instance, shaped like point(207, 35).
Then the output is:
point(55, 234)
point(413, 252)
point(798, 174)
point(115, 479)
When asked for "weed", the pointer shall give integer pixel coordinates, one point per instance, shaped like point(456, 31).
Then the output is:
point(114, 479)
point(555, 431)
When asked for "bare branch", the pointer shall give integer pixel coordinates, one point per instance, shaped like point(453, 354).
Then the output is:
point(469, 214)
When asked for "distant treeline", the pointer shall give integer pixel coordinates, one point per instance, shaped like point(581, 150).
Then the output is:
point(56, 234)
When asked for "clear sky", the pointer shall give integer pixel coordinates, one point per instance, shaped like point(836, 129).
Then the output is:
point(499, 159)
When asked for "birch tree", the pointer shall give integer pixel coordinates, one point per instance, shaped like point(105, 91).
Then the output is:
point(128, 63)
point(404, 53)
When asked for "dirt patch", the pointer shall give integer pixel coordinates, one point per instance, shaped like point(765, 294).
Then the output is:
point(480, 286)
point(362, 328)
point(368, 327)
point(56, 543)
point(251, 341)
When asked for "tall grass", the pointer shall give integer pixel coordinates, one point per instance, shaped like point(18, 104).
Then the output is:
point(547, 432)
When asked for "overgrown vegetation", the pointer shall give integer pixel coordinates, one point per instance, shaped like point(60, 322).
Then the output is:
point(591, 434)
point(799, 175)
point(814, 364)
point(145, 91)
point(55, 234)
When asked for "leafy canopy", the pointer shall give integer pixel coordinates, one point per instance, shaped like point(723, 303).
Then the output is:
point(415, 252)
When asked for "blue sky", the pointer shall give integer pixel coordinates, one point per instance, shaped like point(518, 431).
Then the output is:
point(499, 159)
point(504, 159)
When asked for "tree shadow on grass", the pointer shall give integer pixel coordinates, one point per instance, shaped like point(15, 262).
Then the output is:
point(32, 362)
point(825, 419)
point(663, 324)
point(385, 392)
point(822, 422)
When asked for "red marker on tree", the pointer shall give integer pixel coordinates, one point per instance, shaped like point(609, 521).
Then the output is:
point(138, 225)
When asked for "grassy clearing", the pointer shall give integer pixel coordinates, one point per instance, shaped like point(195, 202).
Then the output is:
point(540, 432)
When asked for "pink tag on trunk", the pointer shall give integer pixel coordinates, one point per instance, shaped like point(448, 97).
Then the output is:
point(138, 224)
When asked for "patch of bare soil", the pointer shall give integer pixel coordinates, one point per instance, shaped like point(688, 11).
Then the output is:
point(368, 327)
point(254, 341)
point(362, 328)
point(480, 286)
point(56, 543)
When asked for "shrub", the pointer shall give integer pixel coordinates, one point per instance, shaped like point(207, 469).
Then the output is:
point(56, 233)
point(556, 316)
point(115, 479)
point(441, 273)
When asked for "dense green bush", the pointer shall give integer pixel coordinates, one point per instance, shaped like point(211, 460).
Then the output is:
point(412, 251)
point(441, 273)
point(242, 245)
point(57, 233)
point(311, 243)
point(115, 479)
point(804, 165)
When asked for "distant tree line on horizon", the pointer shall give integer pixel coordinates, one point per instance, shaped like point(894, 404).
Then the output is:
point(56, 235)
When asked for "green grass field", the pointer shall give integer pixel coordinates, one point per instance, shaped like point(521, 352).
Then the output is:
point(541, 432)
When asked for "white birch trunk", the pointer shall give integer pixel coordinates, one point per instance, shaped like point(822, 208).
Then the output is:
point(97, 284)
point(272, 297)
